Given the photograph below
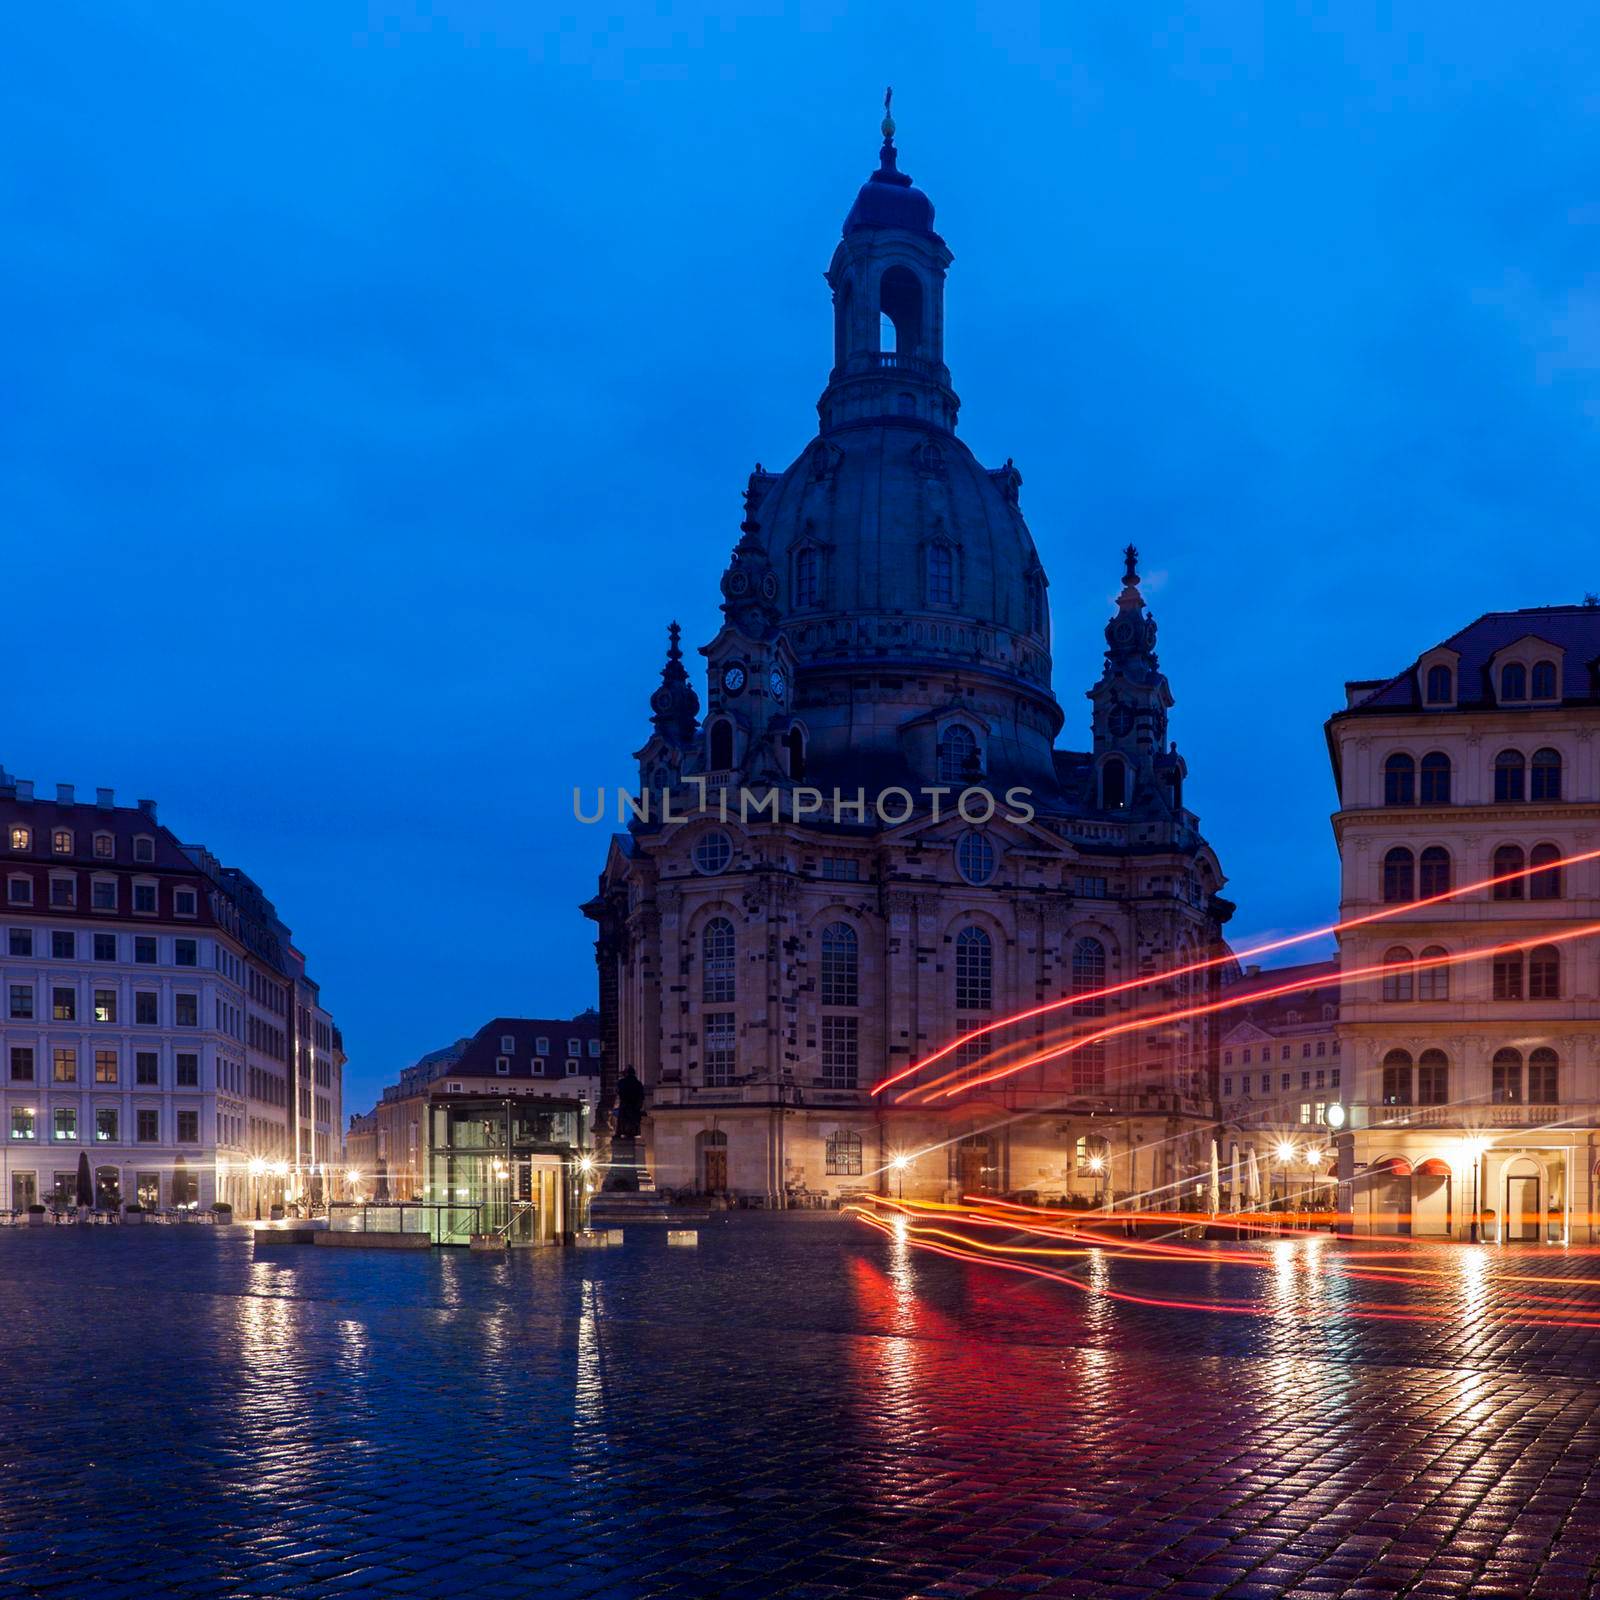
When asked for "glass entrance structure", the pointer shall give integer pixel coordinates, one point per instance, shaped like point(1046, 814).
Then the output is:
point(515, 1159)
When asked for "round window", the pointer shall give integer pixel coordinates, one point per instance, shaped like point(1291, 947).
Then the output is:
point(975, 857)
point(713, 852)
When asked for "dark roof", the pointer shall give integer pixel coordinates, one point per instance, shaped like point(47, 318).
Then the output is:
point(888, 199)
point(1271, 1012)
point(1574, 630)
point(525, 1032)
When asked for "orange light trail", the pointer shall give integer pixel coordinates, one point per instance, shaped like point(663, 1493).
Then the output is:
point(1542, 1309)
point(927, 1092)
point(1267, 948)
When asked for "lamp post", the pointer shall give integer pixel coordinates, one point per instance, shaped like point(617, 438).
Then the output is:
point(898, 1165)
point(257, 1167)
point(1283, 1154)
point(1473, 1148)
point(1097, 1166)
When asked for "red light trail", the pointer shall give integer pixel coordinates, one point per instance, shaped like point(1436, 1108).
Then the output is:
point(925, 1093)
point(1211, 962)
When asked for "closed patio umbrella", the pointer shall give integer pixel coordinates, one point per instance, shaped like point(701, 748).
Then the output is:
point(1216, 1180)
point(85, 1188)
point(1255, 1176)
point(1234, 1196)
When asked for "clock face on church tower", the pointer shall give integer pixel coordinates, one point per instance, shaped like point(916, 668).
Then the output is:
point(733, 677)
point(777, 683)
point(1121, 721)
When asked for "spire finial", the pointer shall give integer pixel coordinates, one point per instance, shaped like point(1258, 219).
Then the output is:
point(1130, 571)
point(674, 634)
point(888, 115)
point(886, 151)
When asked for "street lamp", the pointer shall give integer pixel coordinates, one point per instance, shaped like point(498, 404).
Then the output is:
point(1097, 1165)
point(1284, 1153)
point(257, 1167)
point(898, 1165)
point(1472, 1148)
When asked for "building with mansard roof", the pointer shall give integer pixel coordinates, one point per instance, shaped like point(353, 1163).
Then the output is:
point(884, 848)
point(1473, 1079)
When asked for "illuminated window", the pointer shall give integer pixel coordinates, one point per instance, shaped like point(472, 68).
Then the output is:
point(66, 1123)
point(61, 842)
point(23, 1123)
point(64, 1065)
point(64, 1005)
point(105, 1005)
point(21, 838)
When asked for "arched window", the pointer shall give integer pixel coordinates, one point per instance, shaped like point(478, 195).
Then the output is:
point(1508, 859)
point(974, 970)
point(1545, 778)
point(712, 852)
point(1436, 779)
point(1546, 883)
point(719, 745)
point(842, 1155)
point(941, 575)
point(1433, 1078)
point(1544, 680)
point(718, 951)
point(1114, 784)
point(1397, 980)
point(1089, 1067)
point(1513, 681)
point(959, 761)
point(900, 300)
point(1399, 876)
point(1544, 1077)
point(1397, 1078)
point(1506, 979)
point(1544, 972)
point(794, 748)
point(1506, 1076)
point(1438, 690)
point(1433, 876)
point(841, 965)
point(805, 577)
point(1399, 781)
point(1433, 983)
point(1089, 976)
point(885, 334)
point(1509, 771)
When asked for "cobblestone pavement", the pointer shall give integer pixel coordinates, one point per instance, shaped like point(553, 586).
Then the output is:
point(798, 1408)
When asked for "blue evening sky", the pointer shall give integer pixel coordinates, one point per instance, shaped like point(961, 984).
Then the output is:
point(381, 379)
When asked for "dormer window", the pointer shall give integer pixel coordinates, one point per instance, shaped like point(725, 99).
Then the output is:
point(184, 903)
point(144, 848)
point(941, 575)
point(21, 838)
point(1544, 680)
point(959, 760)
point(806, 577)
point(61, 841)
point(104, 847)
point(1440, 687)
point(508, 1043)
point(1513, 681)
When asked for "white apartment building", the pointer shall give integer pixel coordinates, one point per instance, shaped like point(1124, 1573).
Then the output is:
point(154, 1018)
point(1475, 1079)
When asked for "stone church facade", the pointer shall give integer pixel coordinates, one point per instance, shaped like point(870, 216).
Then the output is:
point(865, 844)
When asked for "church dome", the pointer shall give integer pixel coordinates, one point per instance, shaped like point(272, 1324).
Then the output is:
point(889, 199)
point(893, 545)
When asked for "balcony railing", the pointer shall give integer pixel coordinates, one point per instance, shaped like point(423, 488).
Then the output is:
point(1474, 1117)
